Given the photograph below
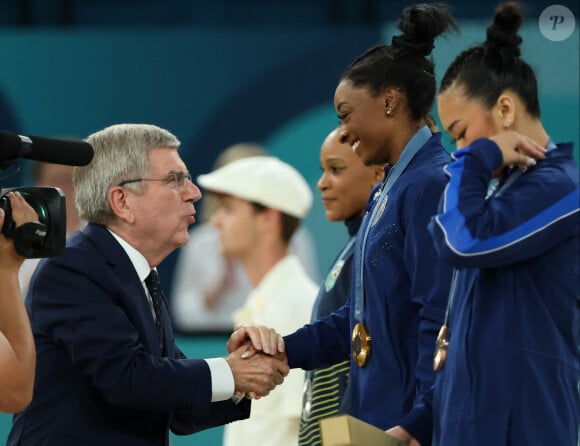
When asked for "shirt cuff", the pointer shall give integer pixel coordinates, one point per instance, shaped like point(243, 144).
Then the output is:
point(222, 379)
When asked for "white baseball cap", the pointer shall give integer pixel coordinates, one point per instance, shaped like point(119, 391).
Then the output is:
point(265, 180)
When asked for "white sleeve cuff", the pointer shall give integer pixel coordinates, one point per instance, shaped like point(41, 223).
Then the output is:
point(222, 379)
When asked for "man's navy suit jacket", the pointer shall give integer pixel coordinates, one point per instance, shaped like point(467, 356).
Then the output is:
point(100, 376)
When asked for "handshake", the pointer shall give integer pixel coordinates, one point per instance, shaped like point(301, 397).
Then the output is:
point(257, 360)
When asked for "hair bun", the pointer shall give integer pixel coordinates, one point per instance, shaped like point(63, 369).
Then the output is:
point(502, 35)
point(420, 25)
point(421, 48)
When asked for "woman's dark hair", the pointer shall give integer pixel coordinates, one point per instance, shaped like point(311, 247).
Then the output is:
point(487, 70)
point(404, 64)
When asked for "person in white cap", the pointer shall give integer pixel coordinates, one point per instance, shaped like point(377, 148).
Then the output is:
point(208, 287)
point(262, 201)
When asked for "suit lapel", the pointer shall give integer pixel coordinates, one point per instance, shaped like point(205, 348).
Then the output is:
point(131, 296)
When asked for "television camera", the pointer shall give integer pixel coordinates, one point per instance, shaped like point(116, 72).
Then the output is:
point(47, 237)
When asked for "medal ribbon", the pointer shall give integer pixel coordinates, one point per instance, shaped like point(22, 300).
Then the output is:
point(418, 140)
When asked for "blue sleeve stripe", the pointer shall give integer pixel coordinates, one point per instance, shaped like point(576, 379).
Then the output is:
point(451, 192)
point(459, 239)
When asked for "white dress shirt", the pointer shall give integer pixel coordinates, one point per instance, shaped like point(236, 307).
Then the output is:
point(222, 379)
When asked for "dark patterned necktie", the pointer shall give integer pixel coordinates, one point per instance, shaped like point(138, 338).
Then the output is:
point(154, 287)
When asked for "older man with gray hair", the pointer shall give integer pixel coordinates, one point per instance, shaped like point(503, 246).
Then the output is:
point(108, 371)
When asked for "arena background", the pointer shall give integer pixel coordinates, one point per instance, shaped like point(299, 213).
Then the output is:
point(219, 72)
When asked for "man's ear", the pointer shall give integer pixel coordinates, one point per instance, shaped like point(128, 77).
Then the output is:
point(120, 203)
point(269, 220)
point(271, 216)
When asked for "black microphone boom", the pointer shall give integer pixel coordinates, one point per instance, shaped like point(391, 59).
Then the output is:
point(49, 150)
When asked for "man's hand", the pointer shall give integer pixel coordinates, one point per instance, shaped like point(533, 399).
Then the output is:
point(256, 374)
point(263, 339)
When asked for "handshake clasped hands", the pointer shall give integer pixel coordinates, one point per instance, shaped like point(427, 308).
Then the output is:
point(257, 360)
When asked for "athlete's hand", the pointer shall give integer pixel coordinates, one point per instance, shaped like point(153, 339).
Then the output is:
point(518, 149)
point(262, 338)
point(402, 434)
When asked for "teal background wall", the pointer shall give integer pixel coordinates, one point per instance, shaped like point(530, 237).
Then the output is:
point(216, 86)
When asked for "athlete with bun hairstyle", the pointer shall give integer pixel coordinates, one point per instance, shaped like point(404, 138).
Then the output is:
point(508, 352)
point(399, 285)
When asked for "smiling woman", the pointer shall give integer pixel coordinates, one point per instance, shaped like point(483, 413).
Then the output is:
point(400, 286)
point(385, 95)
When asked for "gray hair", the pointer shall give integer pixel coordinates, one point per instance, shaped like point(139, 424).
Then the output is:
point(121, 153)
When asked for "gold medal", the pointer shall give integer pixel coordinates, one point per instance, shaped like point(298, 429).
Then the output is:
point(361, 344)
point(440, 353)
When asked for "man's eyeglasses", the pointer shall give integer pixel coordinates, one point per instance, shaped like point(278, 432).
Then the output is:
point(177, 179)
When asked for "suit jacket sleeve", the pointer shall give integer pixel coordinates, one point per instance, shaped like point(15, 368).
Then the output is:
point(185, 423)
point(98, 312)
